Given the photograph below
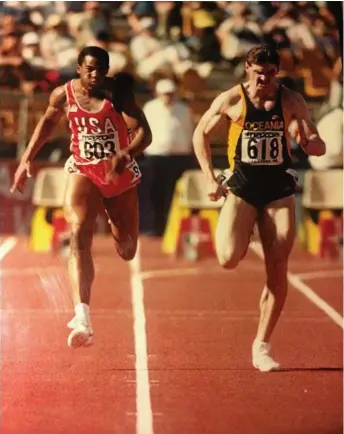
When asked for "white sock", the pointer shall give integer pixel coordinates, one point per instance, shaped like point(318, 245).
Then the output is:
point(82, 311)
point(257, 343)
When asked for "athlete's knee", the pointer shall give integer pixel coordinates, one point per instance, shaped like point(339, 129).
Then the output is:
point(228, 258)
point(81, 235)
point(127, 249)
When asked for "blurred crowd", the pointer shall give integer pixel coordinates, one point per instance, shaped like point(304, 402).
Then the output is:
point(40, 40)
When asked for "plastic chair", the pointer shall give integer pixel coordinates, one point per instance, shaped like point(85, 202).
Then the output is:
point(192, 220)
point(323, 189)
point(193, 191)
point(323, 194)
point(49, 188)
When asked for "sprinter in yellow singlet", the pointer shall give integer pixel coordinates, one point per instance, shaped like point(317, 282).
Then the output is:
point(262, 116)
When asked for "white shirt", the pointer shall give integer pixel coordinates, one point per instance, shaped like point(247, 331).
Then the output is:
point(142, 46)
point(172, 128)
point(330, 129)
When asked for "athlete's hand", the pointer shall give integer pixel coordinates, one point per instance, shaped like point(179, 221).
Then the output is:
point(22, 173)
point(296, 130)
point(116, 165)
point(216, 191)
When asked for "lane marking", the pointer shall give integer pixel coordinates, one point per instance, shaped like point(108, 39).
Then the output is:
point(7, 246)
point(197, 270)
point(27, 271)
point(320, 274)
point(144, 420)
point(297, 283)
point(169, 272)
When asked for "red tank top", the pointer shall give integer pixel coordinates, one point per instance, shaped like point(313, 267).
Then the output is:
point(95, 135)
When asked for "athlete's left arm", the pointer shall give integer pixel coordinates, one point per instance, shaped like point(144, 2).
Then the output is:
point(136, 122)
point(302, 127)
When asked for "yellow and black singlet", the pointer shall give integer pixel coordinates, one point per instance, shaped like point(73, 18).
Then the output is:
point(258, 138)
point(259, 154)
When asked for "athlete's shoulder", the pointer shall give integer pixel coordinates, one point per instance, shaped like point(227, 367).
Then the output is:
point(58, 97)
point(122, 89)
point(233, 94)
point(227, 99)
point(124, 80)
point(290, 97)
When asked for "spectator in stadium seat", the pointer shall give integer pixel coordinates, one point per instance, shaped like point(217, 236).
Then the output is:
point(58, 46)
point(31, 50)
point(42, 78)
point(151, 55)
point(239, 32)
point(172, 127)
point(14, 70)
point(92, 22)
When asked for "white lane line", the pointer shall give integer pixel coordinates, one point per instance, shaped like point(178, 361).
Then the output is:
point(27, 271)
point(144, 420)
point(196, 270)
point(297, 283)
point(319, 274)
point(169, 272)
point(318, 301)
point(7, 246)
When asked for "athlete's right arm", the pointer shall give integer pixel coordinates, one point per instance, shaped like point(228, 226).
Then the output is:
point(207, 123)
point(41, 134)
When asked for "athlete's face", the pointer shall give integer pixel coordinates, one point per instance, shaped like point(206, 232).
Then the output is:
point(92, 73)
point(263, 76)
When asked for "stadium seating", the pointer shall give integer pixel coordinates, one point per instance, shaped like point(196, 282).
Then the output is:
point(191, 225)
point(322, 201)
point(50, 187)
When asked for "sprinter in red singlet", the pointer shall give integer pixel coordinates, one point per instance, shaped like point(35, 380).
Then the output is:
point(102, 170)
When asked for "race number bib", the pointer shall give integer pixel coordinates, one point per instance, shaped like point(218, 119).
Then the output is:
point(98, 146)
point(135, 171)
point(262, 147)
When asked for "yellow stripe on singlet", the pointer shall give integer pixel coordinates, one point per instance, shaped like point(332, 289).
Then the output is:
point(234, 132)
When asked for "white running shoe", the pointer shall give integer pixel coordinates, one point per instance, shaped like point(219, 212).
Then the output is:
point(81, 334)
point(74, 323)
point(261, 359)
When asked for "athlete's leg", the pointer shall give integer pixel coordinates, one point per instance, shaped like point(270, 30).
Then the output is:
point(277, 232)
point(234, 229)
point(123, 212)
point(82, 203)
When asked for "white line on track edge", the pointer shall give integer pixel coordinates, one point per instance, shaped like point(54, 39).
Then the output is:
point(144, 421)
point(297, 283)
point(321, 274)
point(7, 246)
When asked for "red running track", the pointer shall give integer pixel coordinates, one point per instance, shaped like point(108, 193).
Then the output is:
point(190, 324)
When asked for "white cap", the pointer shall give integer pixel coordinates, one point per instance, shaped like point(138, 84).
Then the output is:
point(165, 86)
point(30, 38)
point(147, 23)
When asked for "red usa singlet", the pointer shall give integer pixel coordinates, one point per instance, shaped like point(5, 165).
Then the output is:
point(96, 136)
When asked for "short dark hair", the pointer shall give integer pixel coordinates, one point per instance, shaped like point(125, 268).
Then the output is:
point(262, 55)
point(98, 53)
